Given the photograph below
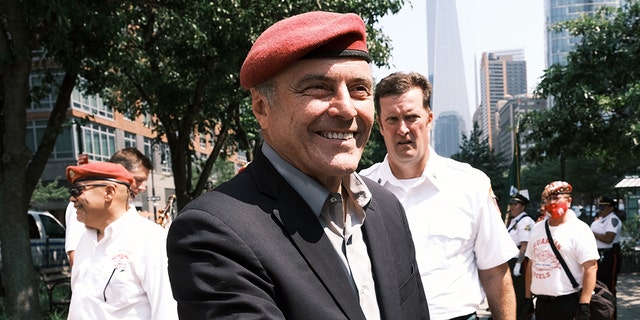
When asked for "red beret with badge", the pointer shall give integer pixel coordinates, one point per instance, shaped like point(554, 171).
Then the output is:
point(557, 187)
point(316, 34)
point(99, 171)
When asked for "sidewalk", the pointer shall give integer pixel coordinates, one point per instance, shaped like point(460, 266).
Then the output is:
point(628, 298)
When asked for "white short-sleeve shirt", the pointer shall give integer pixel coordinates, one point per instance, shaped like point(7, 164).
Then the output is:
point(575, 242)
point(124, 275)
point(608, 223)
point(456, 228)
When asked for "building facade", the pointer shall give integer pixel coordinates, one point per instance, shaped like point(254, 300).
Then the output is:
point(448, 131)
point(559, 44)
point(510, 111)
point(503, 74)
point(94, 132)
point(447, 70)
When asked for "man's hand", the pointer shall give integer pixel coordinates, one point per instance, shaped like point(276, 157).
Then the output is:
point(516, 269)
point(583, 312)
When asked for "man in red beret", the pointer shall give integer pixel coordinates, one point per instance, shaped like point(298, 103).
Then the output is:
point(557, 297)
point(298, 234)
point(120, 262)
point(138, 165)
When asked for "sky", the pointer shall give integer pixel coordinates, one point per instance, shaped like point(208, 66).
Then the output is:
point(487, 25)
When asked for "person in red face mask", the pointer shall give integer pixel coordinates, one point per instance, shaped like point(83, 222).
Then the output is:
point(545, 278)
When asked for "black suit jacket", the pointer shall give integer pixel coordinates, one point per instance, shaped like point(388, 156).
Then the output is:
point(253, 249)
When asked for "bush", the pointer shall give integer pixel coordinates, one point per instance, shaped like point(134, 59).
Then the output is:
point(630, 234)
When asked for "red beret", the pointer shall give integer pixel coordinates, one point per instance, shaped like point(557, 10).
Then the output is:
point(314, 34)
point(557, 187)
point(99, 171)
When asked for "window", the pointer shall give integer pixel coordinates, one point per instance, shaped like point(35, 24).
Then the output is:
point(64, 143)
point(147, 120)
point(147, 146)
point(129, 140)
point(90, 104)
point(52, 227)
point(44, 88)
point(166, 158)
point(34, 231)
point(99, 141)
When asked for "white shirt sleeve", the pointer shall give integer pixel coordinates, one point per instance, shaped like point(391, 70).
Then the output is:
point(74, 229)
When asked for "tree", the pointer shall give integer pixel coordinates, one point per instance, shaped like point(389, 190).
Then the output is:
point(180, 63)
point(590, 179)
point(66, 31)
point(375, 149)
point(476, 152)
point(596, 94)
point(50, 192)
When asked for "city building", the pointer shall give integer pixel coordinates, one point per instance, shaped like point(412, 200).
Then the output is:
point(448, 75)
point(93, 132)
point(559, 44)
point(510, 111)
point(448, 131)
point(502, 74)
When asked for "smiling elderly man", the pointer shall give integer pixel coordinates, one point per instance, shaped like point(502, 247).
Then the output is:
point(298, 234)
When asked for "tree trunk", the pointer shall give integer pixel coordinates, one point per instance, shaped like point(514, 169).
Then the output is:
point(20, 282)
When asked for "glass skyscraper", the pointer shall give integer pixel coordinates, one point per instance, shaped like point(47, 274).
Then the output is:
point(560, 43)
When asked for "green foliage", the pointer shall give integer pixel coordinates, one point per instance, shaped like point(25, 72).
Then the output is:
point(180, 62)
point(631, 231)
point(51, 192)
point(223, 171)
point(590, 178)
point(44, 304)
point(476, 152)
point(375, 149)
point(596, 94)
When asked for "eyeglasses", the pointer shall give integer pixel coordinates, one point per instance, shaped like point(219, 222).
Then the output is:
point(77, 190)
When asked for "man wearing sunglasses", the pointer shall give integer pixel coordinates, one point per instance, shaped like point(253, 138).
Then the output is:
point(138, 165)
point(120, 269)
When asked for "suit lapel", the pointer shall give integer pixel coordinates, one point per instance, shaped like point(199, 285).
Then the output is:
point(293, 213)
point(378, 241)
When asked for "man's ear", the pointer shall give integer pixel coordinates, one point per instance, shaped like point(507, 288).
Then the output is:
point(110, 192)
point(261, 108)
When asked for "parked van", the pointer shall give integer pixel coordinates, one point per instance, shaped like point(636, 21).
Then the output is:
point(47, 235)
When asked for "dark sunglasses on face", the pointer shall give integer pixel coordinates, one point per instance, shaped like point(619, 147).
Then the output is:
point(77, 190)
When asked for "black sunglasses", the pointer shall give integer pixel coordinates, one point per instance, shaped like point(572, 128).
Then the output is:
point(77, 190)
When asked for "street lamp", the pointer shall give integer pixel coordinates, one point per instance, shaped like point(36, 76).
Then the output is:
point(153, 197)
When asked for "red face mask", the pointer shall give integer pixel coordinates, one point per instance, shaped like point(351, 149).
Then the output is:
point(557, 209)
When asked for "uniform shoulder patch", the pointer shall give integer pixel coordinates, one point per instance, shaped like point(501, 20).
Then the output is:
point(615, 222)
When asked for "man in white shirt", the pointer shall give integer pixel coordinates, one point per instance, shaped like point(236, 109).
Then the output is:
point(138, 165)
point(120, 269)
point(462, 246)
point(546, 278)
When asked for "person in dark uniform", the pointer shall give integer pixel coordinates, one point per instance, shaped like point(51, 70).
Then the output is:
point(519, 228)
point(606, 228)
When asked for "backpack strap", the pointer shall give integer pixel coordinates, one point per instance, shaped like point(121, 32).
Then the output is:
point(552, 244)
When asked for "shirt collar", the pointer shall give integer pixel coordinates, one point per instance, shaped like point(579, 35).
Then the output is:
point(434, 165)
point(313, 193)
